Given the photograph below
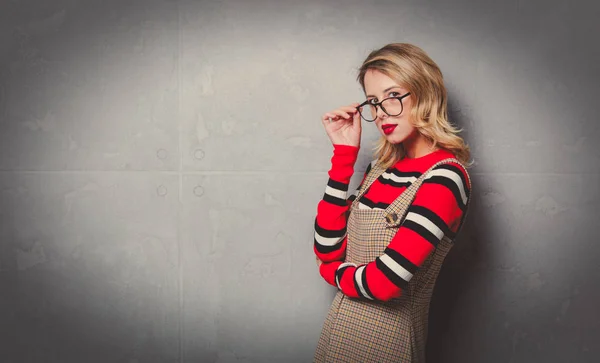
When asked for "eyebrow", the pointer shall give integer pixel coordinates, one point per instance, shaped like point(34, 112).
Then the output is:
point(386, 90)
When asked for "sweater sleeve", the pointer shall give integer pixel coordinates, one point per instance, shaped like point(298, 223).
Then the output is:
point(435, 212)
point(330, 223)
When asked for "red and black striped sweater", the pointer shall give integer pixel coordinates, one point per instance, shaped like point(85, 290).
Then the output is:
point(436, 211)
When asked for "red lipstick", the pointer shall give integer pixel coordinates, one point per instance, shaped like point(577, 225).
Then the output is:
point(388, 128)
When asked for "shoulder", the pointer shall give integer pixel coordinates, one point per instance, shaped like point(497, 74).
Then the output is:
point(453, 175)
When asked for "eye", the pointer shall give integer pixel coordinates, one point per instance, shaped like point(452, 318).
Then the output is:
point(393, 94)
point(373, 100)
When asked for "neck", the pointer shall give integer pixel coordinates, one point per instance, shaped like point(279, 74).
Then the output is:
point(417, 146)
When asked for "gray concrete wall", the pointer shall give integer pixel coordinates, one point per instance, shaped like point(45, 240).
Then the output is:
point(161, 163)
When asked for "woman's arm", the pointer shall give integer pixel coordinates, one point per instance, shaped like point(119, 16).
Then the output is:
point(436, 210)
point(330, 234)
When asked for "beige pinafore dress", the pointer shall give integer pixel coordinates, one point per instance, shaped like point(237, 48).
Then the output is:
point(362, 330)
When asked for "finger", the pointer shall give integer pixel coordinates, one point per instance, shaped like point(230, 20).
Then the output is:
point(350, 108)
point(356, 120)
point(342, 113)
point(331, 114)
point(347, 111)
point(329, 121)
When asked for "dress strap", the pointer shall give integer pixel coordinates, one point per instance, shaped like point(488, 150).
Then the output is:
point(391, 214)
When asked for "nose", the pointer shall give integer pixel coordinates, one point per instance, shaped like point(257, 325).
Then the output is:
point(380, 114)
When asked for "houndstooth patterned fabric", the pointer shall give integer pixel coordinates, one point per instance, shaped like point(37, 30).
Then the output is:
point(360, 330)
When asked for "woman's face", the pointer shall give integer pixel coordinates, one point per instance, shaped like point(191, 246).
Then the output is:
point(379, 86)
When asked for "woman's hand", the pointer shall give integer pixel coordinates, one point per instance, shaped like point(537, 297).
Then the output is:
point(345, 126)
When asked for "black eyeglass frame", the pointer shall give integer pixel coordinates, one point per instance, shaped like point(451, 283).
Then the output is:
point(367, 102)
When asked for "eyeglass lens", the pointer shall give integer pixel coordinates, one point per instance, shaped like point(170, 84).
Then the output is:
point(392, 106)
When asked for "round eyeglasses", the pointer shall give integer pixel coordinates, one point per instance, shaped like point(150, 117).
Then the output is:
point(392, 106)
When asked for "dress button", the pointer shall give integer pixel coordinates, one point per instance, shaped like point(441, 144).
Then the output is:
point(391, 218)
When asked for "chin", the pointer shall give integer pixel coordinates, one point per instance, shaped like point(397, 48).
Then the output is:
point(394, 139)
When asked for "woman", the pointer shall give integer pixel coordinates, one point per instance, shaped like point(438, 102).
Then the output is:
point(383, 246)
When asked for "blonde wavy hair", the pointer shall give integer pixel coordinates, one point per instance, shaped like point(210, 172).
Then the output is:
point(413, 69)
